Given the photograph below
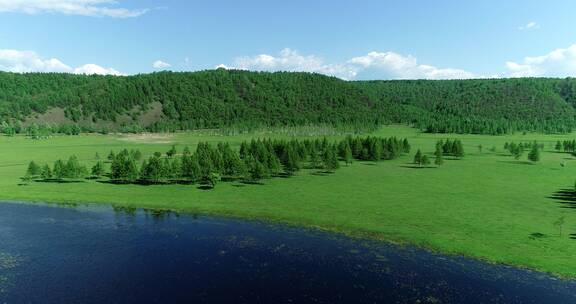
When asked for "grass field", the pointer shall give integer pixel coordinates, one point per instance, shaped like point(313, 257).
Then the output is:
point(486, 205)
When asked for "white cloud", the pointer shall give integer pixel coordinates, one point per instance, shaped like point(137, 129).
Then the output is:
point(28, 61)
point(558, 63)
point(92, 8)
point(396, 66)
point(291, 60)
point(223, 66)
point(529, 26)
point(382, 65)
point(160, 65)
point(93, 69)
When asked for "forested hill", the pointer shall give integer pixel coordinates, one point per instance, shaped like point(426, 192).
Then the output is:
point(223, 98)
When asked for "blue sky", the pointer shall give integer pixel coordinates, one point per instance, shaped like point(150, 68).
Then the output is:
point(360, 39)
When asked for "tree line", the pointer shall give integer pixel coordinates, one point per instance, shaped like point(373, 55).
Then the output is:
point(209, 164)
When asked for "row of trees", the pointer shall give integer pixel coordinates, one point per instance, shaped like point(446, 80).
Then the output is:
point(517, 150)
point(208, 164)
point(566, 146)
point(443, 148)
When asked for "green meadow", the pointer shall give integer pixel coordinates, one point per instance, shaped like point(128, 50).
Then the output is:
point(487, 205)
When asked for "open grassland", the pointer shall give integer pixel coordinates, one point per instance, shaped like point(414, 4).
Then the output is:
point(486, 205)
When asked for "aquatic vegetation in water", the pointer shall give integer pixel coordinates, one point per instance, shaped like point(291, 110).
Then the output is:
point(8, 261)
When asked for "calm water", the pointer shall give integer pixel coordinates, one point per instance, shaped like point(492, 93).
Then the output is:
point(99, 255)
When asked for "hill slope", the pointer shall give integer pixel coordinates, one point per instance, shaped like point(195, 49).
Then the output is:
point(221, 98)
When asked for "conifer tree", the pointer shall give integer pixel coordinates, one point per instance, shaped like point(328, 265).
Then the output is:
point(534, 154)
point(33, 170)
point(458, 148)
point(330, 159)
point(153, 170)
point(439, 158)
point(405, 146)
point(558, 146)
point(418, 157)
point(425, 161)
point(347, 155)
point(190, 169)
point(291, 161)
point(314, 158)
point(46, 172)
point(59, 169)
point(98, 169)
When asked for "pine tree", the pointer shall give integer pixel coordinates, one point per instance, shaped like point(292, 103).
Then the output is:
point(347, 155)
point(33, 170)
point(98, 169)
point(418, 157)
point(153, 170)
point(124, 168)
point(330, 159)
point(46, 172)
point(558, 146)
point(59, 169)
point(291, 161)
point(256, 170)
point(425, 161)
point(405, 146)
point(190, 169)
point(439, 158)
point(314, 158)
point(534, 154)
point(458, 148)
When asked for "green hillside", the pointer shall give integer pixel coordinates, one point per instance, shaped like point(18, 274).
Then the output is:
point(222, 98)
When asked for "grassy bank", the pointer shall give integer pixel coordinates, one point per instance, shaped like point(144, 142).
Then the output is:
point(486, 205)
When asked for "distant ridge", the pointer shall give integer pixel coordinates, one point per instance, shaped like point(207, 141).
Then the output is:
point(225, 98)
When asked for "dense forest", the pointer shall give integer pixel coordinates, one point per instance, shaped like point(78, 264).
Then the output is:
point(169, 101)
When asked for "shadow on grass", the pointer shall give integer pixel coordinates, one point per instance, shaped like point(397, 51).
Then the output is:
point(452, 158)
point(283, 175)
point(59, 181)
point(573, 236)
point(418, 167)
point(205, 187)
point(322, 173)
point(537, 235)
point(246, 182)
point(516, 162)
point(565, 197)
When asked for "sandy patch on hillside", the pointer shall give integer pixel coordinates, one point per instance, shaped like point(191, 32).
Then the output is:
point(150, 138)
